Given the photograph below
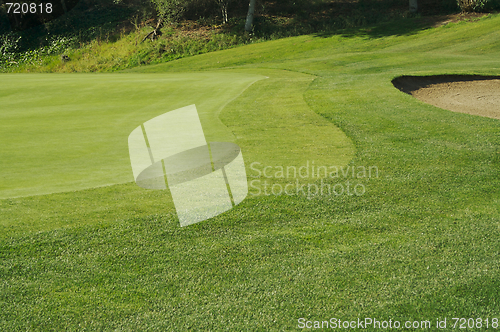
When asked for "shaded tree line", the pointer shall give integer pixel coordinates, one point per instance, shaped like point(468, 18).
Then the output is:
point(225, 10)
point(26, 19)
point(89, 18)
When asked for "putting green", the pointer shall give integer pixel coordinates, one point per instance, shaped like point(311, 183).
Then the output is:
point(69, 132)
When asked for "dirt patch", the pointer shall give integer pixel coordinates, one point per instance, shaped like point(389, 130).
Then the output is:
point(477, 95)
point(440, 20)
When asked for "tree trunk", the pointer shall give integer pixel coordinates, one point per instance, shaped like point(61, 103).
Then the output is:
point(249, 22)
point(4, 12)
point(224, 13)
point(155, 33)
point(16, 24)
point(64, 6)
point(223, 4)
point(413, 6)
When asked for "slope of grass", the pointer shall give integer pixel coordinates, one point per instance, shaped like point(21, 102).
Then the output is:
point(121, 50)
point(420, 244)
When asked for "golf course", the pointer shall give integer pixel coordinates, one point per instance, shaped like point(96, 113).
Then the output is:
point(393, 215)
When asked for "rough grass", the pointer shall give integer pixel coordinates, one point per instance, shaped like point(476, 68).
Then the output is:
point(420, 244)
point(121, 50)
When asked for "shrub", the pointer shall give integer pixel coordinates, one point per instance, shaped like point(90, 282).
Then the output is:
point(478, 5)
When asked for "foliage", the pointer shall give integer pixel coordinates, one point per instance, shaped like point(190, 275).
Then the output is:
point(175, 10)
point(478, 5)
point(170, 10)
point(103, 21)
point(11, 59)
point(111, 53)
point(9, 45)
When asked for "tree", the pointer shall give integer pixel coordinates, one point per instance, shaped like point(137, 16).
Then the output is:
point(155, 33)
point(170, 10)
point(249, 22)
point(478, 5)
point(223, 7)
point(413, 6)
point(64, 6)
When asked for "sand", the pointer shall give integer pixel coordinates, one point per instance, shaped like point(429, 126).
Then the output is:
point(477, 95)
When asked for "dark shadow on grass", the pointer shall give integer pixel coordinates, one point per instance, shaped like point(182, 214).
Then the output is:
point(399, 27)
point(403, 26)
point(350, 18)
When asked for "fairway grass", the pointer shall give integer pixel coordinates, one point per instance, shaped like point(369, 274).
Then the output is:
point(422, 243)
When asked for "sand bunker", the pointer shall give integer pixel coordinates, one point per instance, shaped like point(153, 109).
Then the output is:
point(477, 95)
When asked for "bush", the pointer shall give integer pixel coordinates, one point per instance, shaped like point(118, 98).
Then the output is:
point(478, 5)
point(170, 10)
point(9, 43)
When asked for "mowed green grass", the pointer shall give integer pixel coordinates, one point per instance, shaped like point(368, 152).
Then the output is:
point(420, 244)
point(69, 132)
